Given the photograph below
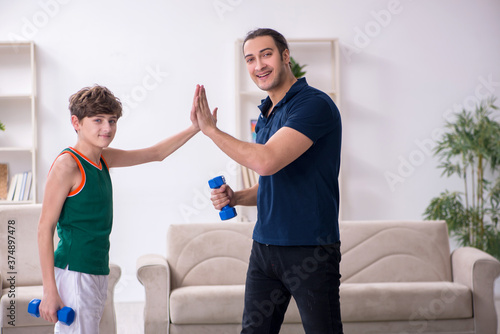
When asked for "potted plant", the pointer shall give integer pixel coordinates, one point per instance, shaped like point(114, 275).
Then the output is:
point(297, 69)
point(2, 127)
point(470, 149)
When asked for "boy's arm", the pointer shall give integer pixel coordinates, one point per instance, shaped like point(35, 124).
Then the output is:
point(158, 152)
point(63, 177)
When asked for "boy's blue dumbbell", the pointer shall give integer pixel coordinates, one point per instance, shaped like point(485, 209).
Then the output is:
point(66, 315)
point(227, 212)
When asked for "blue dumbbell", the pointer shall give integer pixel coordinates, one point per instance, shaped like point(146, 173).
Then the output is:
point(227, 212)
point(66, 315)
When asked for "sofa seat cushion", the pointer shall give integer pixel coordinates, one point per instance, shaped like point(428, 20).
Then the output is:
point(360, 302)
point(214, 304)
point(19, 311)
point(403, 301)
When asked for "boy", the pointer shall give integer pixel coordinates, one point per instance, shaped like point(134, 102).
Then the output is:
point(78, 201)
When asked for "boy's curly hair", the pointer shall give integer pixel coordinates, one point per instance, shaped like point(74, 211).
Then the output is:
point(95, 100)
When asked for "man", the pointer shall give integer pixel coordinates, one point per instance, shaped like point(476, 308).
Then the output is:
point(296, 249)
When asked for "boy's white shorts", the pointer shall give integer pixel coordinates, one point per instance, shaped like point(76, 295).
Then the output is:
point(86, 295)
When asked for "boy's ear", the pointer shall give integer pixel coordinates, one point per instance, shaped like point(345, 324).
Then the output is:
point(75, 122)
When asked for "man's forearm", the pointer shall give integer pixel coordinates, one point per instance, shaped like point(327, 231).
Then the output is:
point(250, 155)
point(247, 197)
point(284, 147)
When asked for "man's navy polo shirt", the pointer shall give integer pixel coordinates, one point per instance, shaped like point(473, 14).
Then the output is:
point(299, 204)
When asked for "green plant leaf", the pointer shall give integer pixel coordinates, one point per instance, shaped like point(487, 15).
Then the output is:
point(470, 145)
point(448, 206)
point(297, 68)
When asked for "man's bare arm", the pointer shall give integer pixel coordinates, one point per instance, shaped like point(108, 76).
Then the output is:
point(285, 146)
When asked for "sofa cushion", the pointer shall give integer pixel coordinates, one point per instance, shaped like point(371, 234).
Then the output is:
point(394, 251)
point(19, 226)
point(207, 304)
point(214, 304)
point(19, 314)
point(404, 301)
point(359, 302)
point(209, 254)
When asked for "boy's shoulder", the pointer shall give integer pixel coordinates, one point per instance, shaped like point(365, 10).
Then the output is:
point(65, 163)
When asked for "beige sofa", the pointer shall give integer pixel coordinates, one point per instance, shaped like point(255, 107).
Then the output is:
point(397, 277)
point(21, 276)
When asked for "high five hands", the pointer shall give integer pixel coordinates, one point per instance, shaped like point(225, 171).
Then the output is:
point(201, 117)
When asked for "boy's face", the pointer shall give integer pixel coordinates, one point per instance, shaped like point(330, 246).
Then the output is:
point(98, 130)
point(264, 62)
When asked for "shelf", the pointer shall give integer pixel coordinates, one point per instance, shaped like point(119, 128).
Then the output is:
point(4, 202)
point(16, 61)
point(18, 113)
point(263, 95)
point(16, 44)
point(16, 149)
point(16, 97)
point(253, 93)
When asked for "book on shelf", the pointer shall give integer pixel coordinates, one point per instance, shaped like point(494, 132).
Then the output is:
point(253, 123)
point(250, 177)
point(27, 189)
point(4, 179)
point(12, 187)
point(20, 194)
point(20, 187)
point(244, 175)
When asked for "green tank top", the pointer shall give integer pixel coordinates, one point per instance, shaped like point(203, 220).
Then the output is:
point(86, 220)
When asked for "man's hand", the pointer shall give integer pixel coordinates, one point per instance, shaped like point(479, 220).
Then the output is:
point(222, 196)
point(200, 114)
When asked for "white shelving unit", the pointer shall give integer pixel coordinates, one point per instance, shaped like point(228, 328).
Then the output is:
point(322, 72)
point(18, 143)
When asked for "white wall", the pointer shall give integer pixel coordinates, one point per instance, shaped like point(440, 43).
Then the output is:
point(404, 65)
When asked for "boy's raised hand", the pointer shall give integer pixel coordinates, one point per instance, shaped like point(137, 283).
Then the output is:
point(192, 116)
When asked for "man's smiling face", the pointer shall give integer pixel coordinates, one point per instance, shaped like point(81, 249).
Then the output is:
point(264, 63)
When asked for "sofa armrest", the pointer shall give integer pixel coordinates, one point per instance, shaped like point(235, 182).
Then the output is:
point(154, 274)
point(478, 271)
point(108, 320)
